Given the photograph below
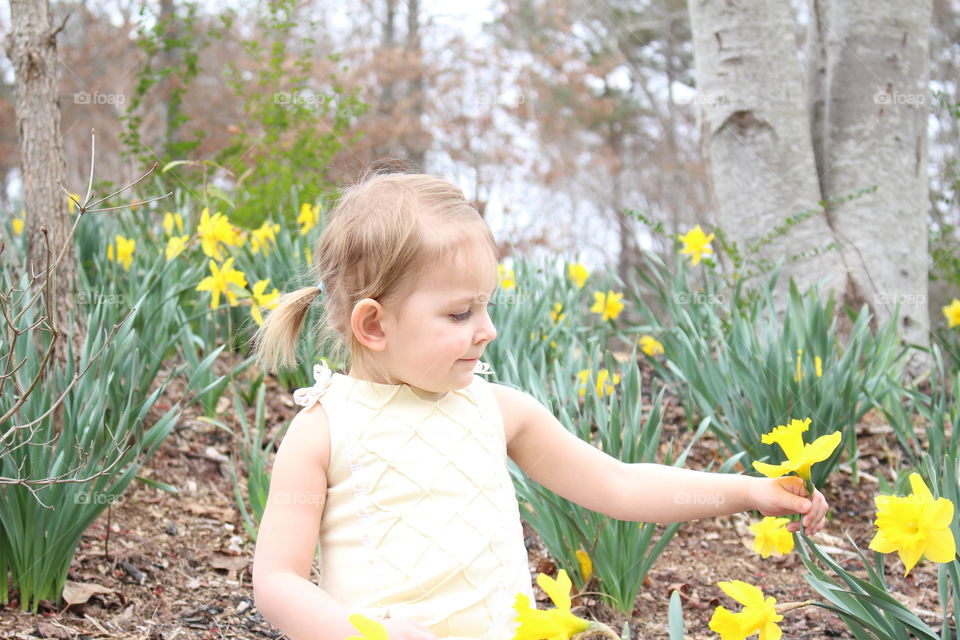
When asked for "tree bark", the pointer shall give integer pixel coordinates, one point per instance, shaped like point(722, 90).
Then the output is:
point(756, 134)
point(32, 48)
point(419, 139)
point(876, 72)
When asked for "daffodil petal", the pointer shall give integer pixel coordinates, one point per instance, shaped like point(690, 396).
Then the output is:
point(558, 589)
point(910, 556)
point(941, 546)
point(743, 592)
point(772, 470)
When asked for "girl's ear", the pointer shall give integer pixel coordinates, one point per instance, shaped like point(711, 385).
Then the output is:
point(366, 321)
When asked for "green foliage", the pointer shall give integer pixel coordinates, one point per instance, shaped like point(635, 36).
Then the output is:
point(749, 369)
point(865, 606)
point(293, 127)
point(254, 451)
point(907, 409)
point(177, 37)
point(104, 439)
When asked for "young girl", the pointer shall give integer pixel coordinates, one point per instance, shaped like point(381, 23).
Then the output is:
point(398, 468)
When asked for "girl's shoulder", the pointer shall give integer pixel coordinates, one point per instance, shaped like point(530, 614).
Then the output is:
point(309, 434)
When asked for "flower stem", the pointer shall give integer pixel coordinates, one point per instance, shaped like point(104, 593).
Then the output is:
point(790, 606)
point(596, 628)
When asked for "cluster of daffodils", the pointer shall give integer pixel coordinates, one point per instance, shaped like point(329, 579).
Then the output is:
point(215, 235)
point(914, 526)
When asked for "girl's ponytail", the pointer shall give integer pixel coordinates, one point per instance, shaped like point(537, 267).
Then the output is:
point(276, 339)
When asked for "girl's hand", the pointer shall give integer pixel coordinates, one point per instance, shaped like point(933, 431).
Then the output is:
point(788, 495)
point(404, 629)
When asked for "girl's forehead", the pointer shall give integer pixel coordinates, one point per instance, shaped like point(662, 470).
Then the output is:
point(468, 268)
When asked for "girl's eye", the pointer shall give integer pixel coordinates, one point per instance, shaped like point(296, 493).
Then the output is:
point(460, 317)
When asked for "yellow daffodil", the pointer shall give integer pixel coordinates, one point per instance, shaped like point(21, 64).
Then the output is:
point(263, 237)
point(505, 277)
point(603, 388)
point(72, 201)
point(696, 244)
point(586, 565)
point(798, 376)
point(608, 304)
point(308, 218)
point(122, 252)
point(818, 366)
point(771, 536)
point(578, 273)
point(557, 315)
point(262, 300)
point(171, 221)
point(914, 526)
point(175, 246)
point(18, 225)
point(219, 282)
point(650, 345)
point(369, 629)
point(552, 624)
point(952, 313)
point(215, 231)
point(800, 456)
point(758, 614)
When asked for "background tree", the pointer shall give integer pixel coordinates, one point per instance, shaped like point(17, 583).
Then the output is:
point(31, 46)
point(852, 136)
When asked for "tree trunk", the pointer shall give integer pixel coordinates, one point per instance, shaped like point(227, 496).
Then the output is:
point(32, 48)
point(876, 70)
point(756, 135)
point(419, 139)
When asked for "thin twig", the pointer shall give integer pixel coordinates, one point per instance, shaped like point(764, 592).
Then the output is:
point(93, 142)
point(122, 189)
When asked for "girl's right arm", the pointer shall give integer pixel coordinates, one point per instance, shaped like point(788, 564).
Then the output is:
point(288, 536)
point(287, 541)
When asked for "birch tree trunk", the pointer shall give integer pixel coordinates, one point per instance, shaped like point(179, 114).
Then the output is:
point(756, 134)
point(876, 73)
point(32, 48)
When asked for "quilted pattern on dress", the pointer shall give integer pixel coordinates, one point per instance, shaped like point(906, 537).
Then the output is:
point(421, 520)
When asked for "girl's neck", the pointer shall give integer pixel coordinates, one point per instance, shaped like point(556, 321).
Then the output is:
point(378, 375)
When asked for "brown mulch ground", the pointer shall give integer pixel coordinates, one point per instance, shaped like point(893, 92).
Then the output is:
point(178, 565)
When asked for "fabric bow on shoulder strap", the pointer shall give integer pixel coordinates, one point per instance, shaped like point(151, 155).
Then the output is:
point(309, 396)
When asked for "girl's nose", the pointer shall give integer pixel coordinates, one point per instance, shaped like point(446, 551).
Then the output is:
point(486, 332)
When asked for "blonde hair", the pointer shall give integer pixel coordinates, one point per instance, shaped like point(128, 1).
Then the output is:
point(378, 238)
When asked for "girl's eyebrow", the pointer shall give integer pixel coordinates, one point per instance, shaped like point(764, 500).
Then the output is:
point(472, 298)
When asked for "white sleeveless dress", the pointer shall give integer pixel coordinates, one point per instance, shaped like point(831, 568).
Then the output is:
point(421, 519)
